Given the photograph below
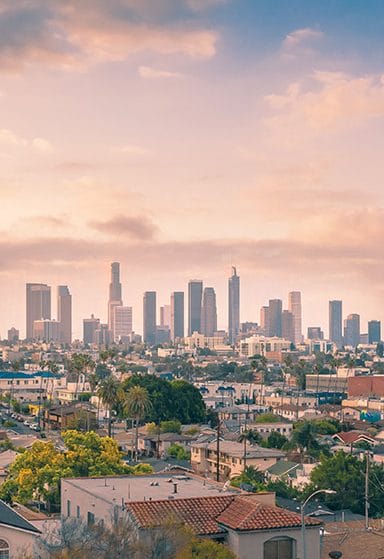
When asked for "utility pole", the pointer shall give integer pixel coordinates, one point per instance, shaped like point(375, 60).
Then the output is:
point(367, 490)
point(218, 449)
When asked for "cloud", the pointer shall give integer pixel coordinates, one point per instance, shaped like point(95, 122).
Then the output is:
point(137, 227)
point(151, 73)
point(132, 150)
point(42, 145)
point(300, 36)
point(73, 35)
point(11, 139)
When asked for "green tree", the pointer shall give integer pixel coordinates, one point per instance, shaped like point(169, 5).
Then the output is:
point(304, 438)
point(137, 404)
point(268, 417)
point(252, 477)
point(110, 392)
point(276, 440)
point(200, 548)
point(177, 451)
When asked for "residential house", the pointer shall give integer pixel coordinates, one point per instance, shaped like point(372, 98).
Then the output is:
point(17, 535)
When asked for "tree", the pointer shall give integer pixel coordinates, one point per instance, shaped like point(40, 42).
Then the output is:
point(251, 437)
point(200, 548)
point(251, 477)
point(81, 363)
point(177, 451)
point(110, 392)
point(304, 438)
point(268, 417)
point(276, 440)
point(136, 405)
point(37, 472)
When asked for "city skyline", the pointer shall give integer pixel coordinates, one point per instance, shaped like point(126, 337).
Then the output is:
point(252, 137)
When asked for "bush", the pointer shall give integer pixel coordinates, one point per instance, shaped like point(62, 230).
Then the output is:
point(178, 452)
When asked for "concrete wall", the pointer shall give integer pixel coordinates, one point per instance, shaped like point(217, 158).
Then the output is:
point(20, 542)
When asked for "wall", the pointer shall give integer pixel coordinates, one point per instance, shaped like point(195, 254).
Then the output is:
point(20, 542)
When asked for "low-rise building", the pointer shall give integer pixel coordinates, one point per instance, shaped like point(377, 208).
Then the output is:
point(17, 536)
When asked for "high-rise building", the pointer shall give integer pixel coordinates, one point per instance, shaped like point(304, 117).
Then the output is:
point(315, 333)
point(102, 336)
point(177, 315)
point(13, 335)
point(274, 314)
point(38, 305)
point(64, 313)
point(288, 326)
point(149, 317)
point(294, 306)
point(352, 330)
point(264, 320)
point(233, 306)
point(374, 331)
point(195, 293)
point(336, 322)
point(121, 322)
point(165, 316)
point(115, 299)
point(46, 330)
point(209, 312)
point(90, 325)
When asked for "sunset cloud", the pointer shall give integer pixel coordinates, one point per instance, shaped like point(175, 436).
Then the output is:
point(300, 36)
point(135, 227)
point(152, 73)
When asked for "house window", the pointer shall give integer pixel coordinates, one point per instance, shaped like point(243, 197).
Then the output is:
point(68, 508)
point(77, 511)
point(279, 548)
point(90, 519)
point(4, 550)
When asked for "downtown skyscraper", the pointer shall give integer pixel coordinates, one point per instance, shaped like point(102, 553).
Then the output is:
point(149, 317)
point(294, 306)
point(177, 315)
point(38, 305)
point(233, 306)
point(336, 322)
point(64, 314)
point(209, 312)
point(195, 293)
point(115, 297)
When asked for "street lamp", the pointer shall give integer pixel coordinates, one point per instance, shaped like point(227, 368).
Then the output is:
point(328, 492)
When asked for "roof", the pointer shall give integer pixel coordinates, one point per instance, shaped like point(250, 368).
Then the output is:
point(211, 515)
point(353, 540)
point(283, 467)
point(349, 437)
point(12, 375)
point(9, 517)
point(236, 449)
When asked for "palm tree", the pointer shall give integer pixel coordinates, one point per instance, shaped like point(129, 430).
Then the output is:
point(251, 437)
point(137, 404)
point(110, 392)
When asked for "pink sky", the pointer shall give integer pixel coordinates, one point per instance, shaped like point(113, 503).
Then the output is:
point(149, 137)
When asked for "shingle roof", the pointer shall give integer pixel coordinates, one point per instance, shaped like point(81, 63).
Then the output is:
point(211, 515)
point(9, 517)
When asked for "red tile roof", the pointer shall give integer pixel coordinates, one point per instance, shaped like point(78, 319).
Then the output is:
point(349, 437)
point(210, 515)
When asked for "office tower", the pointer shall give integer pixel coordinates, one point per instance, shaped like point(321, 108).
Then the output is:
point(121, 322)
point(46, 330)
point(165, 316)
point(90, 325)
point(374, 331)
point(336, 322)
point(315, 333)
point(13, 335)
point(288, 326)
point(294, 306)
point(209, 312)
point(163, 334)
point(64, 313)
point(352, 330)
point(233, 306)
point(102, 336)
point(38, 305)
point(177, 315)
point(264, 320)
point(274, 315)
point(115, 299)
point(149, 317)
point(195, 293)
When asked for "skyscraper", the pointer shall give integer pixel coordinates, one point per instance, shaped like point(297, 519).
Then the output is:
point(288, 326)
point(209, 312)
point(90, 325)
point(374, 331)
point(352, 330)
point(122, 322)
point(195, 292)
point(294, 306)
point(64, 313)
point(38, 305)
point(149, 317)
point(336, 322)
point(274, 315)
point(264, 320)
point(115, 299)
point(165, 316)
point(233, 306)
point(177, 315)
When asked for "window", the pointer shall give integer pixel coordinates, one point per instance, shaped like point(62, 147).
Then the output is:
point(4, 550)
point(90, 519)
point(77, 511)
point(68, 508)
point(279, 548)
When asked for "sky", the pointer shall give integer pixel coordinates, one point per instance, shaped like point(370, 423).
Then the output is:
point(181, 137)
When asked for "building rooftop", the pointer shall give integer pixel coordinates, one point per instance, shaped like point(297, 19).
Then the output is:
point(114, 489)
point(236, 449)
point(9, 517)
